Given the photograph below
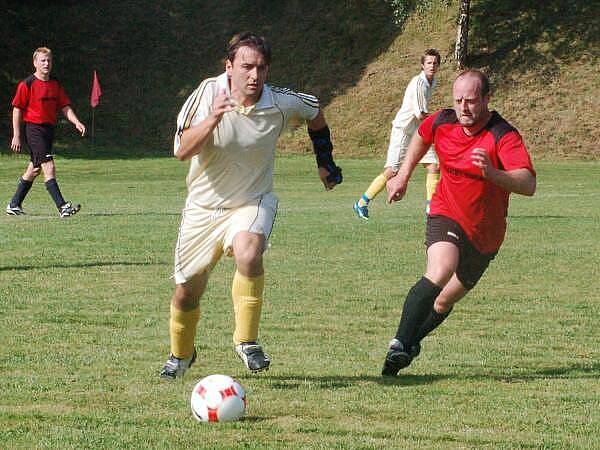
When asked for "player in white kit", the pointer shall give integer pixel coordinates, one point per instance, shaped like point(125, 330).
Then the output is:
point(229, 128)
point(408, 118)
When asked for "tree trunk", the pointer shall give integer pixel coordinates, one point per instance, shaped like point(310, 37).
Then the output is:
point(461, 50)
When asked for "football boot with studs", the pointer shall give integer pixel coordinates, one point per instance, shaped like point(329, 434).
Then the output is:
point(175, 367)
point(253, 356)
point(398, 357)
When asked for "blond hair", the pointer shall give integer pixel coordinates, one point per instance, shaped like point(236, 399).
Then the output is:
point(42, 51)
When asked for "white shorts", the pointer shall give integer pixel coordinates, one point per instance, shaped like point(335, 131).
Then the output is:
point(399, 140)
point(205, 234)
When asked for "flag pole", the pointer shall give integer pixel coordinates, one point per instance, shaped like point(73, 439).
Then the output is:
point(93, 126)
point(94, 100)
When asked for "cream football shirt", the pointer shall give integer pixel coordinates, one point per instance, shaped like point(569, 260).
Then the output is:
point(416, 97)
point(235, 167)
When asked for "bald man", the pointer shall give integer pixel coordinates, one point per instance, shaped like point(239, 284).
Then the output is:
point(483, 160)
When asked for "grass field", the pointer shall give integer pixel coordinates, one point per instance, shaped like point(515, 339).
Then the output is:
point(84, 312)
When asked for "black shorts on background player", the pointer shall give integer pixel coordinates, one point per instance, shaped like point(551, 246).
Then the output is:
point(39, 139)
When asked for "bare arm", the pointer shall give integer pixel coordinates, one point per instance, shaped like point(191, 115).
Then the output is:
point(396, 186)
point(519, 181)
point(194, 139)
point(72, 117)
point(17, 119)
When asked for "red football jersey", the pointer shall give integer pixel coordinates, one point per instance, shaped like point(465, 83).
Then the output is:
point(477, 205)
point(40, 100)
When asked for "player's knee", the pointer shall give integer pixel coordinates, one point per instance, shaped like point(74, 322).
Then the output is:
point(442, 304)
point(34, 171)
point(247, 251)
point(440, 274)
point(249, 258)
point(184, 298)
point(390, 172)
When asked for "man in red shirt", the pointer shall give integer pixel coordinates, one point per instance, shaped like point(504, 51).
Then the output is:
point(482, 160)
point(37, 102)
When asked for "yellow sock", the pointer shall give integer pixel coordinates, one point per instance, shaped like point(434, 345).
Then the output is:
point(182, 328)
point(431, 183)
point(375, 188)
point(247, 296)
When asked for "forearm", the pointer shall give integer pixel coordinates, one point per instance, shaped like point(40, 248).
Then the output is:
point(320, 136)
point(519, 181)
point(416, 150)
point(70, 115)
point(194, 139)
point(17, 119)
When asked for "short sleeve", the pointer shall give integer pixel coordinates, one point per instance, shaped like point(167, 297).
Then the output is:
point(297, 104)
point(63, 99)
point(195, 109)
point(21, 99)
point(426, 128)
point(420, 99)
point(513, 154)
point(306, 105)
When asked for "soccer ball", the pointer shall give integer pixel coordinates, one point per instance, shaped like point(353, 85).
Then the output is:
point(218, 398)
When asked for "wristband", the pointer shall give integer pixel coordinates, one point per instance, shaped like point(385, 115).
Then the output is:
point(323, 148)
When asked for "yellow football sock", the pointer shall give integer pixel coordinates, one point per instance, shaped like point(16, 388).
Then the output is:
point(375, 188)
point(431, 183)
point(247, 296)
point(182, 328)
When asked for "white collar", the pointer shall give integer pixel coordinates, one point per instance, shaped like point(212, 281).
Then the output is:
point(266, 97)
point(424, 77)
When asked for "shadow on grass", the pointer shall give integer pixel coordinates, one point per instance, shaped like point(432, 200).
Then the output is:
point(292, 382)
point(145, 213)
point(101, 214)
point(542, 216)
point(81, 265)
point(340, 382)
point(256, 419)
point(576, 371)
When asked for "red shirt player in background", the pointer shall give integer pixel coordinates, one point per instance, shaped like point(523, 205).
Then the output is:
point(37, 102)
point(482, 160)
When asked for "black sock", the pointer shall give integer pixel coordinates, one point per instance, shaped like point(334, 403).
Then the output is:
point(417, 306)
point(54, 192)
point(22, 190)
point(433, 320)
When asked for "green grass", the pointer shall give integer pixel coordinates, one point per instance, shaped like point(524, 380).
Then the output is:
point(84, 313)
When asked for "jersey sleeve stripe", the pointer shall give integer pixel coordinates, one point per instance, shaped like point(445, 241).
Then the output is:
point(188, 111)
point(307, 99)
point(184, 118)
point(421, 100)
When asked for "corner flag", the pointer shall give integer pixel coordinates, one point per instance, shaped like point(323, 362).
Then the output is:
point(96, 91)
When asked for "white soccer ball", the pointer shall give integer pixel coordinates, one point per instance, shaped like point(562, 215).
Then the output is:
point(218, 398)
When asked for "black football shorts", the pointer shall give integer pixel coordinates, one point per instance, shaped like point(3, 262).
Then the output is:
point(471, 263)
point(39, 138)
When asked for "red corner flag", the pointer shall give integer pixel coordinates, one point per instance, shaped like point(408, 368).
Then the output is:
point(96, 91)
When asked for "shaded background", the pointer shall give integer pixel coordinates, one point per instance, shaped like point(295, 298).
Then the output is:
point(356, 55)
point(151, 54)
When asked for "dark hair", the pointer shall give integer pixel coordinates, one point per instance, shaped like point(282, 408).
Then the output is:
point(483, 79)
point(431, 52)
point(248, 39)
